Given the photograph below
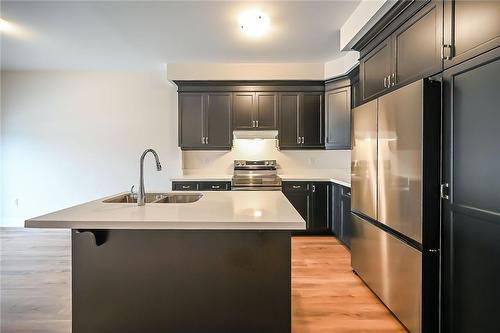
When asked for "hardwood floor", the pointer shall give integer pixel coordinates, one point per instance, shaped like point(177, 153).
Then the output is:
point(35, 282)
point(328, 296)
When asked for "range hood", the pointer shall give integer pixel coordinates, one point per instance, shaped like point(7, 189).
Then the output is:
point(267, 134)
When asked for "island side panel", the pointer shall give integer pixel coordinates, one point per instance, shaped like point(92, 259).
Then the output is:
point(181, 281)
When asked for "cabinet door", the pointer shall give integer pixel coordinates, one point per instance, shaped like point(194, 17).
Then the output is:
point(243, 110)
point(191, 120)
point(300, 199)
point(338, 118)
point(375, 67)
point(289, 120)
point(311, 120)
point(267, 110)
point(335, 210)
point(218, 121)
point(472, 28)
point(471, 214)
point(345, 216)
point(417, 45)
point(320, 219)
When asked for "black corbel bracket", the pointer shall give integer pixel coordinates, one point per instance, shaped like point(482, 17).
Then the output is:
point(100, 236)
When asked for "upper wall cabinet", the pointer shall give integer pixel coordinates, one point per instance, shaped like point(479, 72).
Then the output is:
point(417, 46)
point(255, 110)
point(210, 110)
point(471, 28)
point(301, 120)
point(205, 121)
point(375, 70)
point(338, 118)
point(411, 51)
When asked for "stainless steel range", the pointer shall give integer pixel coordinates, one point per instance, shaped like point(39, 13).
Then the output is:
point(255, 176)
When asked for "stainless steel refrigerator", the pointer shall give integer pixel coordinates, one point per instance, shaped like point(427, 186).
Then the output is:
point(395, 201)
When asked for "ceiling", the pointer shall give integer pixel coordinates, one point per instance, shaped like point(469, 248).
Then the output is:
point(144, 34)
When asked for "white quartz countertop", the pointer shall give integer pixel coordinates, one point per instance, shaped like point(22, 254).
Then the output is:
point(341, 179)
point(218, 210)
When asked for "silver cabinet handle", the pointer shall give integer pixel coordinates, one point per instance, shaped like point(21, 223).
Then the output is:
point(186, 186)
point(385, 82)
point(202, 140)
point(206, 140)
point(302, 139)
point(296, 186)
point(298, 139)
point(257, 122)
point(215, 186)
point(314, 188)
point(393, 79)
point(444, 191)
point(388, 81)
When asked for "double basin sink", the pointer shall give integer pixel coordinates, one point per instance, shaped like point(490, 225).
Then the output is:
point(156, 198)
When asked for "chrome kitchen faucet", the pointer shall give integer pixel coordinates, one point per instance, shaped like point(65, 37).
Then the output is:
point(140, 196)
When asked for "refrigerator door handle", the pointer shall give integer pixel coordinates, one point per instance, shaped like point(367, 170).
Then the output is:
point(444, 191)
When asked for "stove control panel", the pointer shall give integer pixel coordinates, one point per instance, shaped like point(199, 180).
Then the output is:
point(242, 163)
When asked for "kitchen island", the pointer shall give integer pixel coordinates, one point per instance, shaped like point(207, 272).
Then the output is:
point(219, 264)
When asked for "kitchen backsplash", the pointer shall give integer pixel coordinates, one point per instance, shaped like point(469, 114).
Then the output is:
point(289, 161)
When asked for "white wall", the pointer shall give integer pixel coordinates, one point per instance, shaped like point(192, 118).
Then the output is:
point(70, 137)
point(246, 71)
point(326, 162)
point(361, 20)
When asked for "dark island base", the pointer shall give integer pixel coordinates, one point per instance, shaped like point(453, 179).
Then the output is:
point(181, 281)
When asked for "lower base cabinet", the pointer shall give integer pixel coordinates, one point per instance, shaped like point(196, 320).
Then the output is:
point(313, 202)
point(201, 186)
point(341, 213)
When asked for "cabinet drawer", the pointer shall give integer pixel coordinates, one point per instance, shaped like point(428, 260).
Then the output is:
point(184, 186)
point(295, 186)
point(214, 186)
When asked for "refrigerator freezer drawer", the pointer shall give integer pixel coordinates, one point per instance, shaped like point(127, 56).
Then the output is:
point(391, 268)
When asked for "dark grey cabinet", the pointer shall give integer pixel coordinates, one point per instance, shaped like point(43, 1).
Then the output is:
point(243, 110)
point(338, 118)
point(301, 120)
point(201, 186)
point(417, 45)
point(341, 214)
point(375, 68)
point(345, 216)
point(411, 52)
point(191, 120)
point(471, 200)
point(218, 121)
point(205, 121)
point(312, 200)
point(289, 120)
point(471, 28)
point(255, 110)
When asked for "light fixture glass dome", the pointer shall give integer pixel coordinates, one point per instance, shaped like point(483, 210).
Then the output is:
point(254, 23)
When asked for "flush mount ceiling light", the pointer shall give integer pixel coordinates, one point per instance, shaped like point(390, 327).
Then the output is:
point(4, 25)
point(254, 23)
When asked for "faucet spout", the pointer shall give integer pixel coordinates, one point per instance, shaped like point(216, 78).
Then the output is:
point(142, 192)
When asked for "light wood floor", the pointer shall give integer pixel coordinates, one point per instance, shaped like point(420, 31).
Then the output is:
point(35, 281)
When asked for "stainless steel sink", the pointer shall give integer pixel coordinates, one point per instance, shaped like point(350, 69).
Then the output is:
point(180, 198)
point(156, 198)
